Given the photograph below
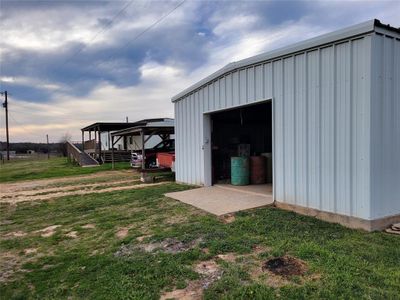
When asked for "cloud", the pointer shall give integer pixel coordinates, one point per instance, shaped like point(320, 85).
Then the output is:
point(70, 63)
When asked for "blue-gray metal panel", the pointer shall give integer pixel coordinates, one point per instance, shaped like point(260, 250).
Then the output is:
point(235, 88)
point(385, 127)
point(327, 129)
point(229, 90)
point(250, 85)
point(259, 82)
point(342, 125)
point(288, 127)
point(279, 130)
point(313, 129)
point(211, 99)
point(200, 138)
point(217, 95)
point(242, 86)
point(300, 134)
point(360, 128)
point(222, 91)
point(268, 81)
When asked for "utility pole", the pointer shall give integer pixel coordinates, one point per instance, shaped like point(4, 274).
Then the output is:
point(5, 105)
point(48, 147)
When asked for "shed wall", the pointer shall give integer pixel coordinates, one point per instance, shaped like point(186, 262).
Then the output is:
point(321, 100)
point(385, 131)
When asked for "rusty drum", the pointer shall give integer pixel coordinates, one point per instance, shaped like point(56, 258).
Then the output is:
point(257, 169)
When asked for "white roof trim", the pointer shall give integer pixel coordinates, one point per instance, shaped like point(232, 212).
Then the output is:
point(352, 31)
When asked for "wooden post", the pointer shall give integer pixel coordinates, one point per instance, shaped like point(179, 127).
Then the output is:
point(48, 147)
point(99, 133)
point(95, 142)
point(143, 150)
point(112, 152)
point(83, 141)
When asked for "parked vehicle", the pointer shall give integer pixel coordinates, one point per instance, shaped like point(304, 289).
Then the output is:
point(166, 146)
point(166, 160)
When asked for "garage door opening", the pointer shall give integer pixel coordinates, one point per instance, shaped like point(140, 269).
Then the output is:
point(243, 132)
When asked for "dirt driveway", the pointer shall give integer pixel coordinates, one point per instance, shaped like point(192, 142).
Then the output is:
point(45, 189)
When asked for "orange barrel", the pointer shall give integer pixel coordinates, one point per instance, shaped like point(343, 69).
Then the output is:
point(257, 169)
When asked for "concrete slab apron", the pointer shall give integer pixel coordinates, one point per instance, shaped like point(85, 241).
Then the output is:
point(220, 200)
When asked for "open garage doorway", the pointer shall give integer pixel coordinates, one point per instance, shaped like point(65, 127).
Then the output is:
point(247, 132)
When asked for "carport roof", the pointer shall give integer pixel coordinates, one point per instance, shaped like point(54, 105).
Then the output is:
point(160, 129)
point(113, 126)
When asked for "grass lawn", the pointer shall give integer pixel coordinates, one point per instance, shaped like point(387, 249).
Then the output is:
point(138, 244)
point(43, 168)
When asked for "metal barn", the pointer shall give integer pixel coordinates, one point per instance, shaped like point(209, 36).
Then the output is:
point(329, 111)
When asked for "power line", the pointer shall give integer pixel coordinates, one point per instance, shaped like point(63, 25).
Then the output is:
point(154, 24)
point(138, 35)
point(147, 29)
point(107, 27)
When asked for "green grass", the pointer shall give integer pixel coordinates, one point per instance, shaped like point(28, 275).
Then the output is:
point(348, 264)
point(54, 167)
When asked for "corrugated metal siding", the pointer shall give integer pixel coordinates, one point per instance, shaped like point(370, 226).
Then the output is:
point(385, 127)
point(321, 106)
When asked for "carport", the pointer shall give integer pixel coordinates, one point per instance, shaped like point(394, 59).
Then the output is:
point(145, 133)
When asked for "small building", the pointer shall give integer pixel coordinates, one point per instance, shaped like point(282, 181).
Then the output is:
point(326, 109)
point(99, 134)
point(12, 154)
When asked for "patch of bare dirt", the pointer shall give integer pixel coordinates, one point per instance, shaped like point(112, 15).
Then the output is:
point(6, 222)
point(193, 291)
point(48, 231)
point(169, 245)
point(205, 250)
point(228, 218)
point(41, 183)
point(23, 198)
point(67, 188)
point(175, 219)
point(143, 237)
point(72, 234)
point(255, 267)
point(9, 263)
point(228, 257)
point(30, 251)
point(89, 226)
point(16, 234)
point(122, 233)
point(285, 266)
point(209, 271)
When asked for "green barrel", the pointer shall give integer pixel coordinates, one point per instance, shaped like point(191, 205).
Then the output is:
point(240, 173)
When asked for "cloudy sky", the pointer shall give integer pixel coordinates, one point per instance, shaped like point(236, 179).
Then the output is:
point(67, 64)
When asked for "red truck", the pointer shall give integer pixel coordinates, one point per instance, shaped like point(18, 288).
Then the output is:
point(166, 146)
point(166, 160)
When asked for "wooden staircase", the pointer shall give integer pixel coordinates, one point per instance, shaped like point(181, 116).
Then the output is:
point(82, 158)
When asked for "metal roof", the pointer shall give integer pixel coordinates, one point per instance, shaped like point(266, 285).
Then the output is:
point(348, 32)
point(112, 126)
point(166, 129)
point(165, 125)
